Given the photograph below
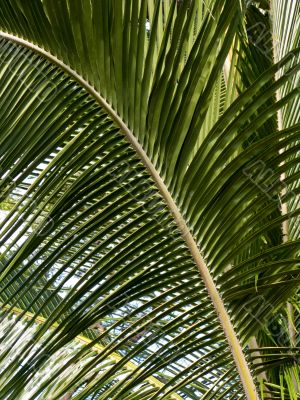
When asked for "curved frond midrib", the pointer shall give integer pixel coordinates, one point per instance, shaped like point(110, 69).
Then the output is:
point(220, 308)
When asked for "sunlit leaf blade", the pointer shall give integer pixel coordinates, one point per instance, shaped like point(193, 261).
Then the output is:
point(107, 112)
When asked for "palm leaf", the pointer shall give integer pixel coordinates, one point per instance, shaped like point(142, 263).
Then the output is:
point(127, 177)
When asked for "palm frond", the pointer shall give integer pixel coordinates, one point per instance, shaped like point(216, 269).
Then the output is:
point(128, 174)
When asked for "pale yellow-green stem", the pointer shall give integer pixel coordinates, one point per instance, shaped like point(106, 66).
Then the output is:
point(234, 344)
point(284, 206)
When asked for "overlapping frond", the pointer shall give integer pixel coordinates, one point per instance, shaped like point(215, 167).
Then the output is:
point(97, 244)
point(89, 241)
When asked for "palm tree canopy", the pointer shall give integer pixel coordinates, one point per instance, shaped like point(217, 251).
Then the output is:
point(149, 194)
